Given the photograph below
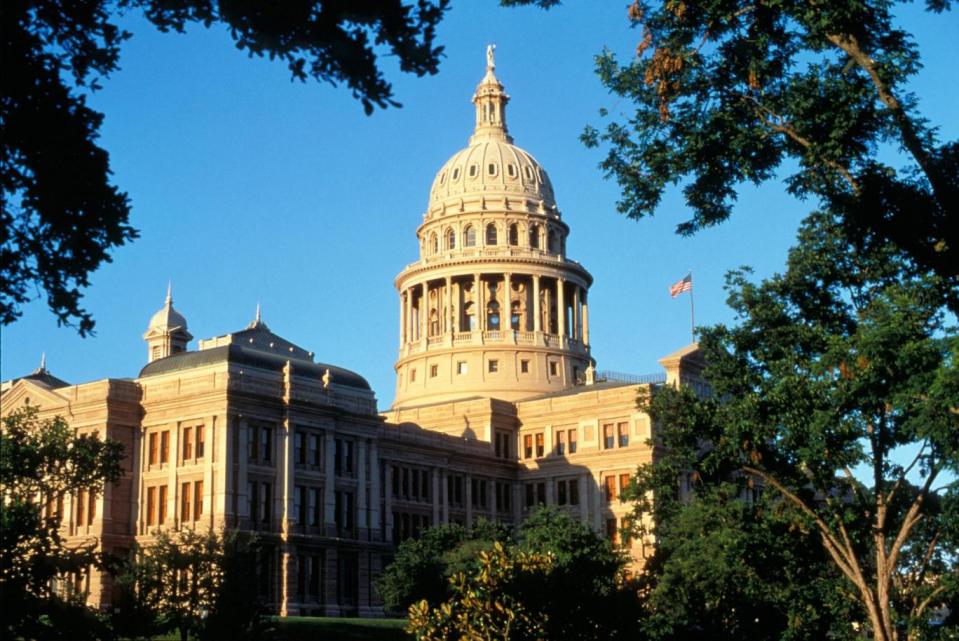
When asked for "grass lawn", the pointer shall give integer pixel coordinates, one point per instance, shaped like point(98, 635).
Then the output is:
point(327, 629)
point(333, 629)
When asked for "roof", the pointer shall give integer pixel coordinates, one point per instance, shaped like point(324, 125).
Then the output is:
point(243, 355)
point(43, 378)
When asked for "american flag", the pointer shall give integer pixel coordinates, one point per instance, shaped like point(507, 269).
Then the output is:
point(685, 285)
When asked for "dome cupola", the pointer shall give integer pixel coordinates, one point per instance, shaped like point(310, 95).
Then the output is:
point(167, 332)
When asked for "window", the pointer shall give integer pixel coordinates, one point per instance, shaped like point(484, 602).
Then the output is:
point(456, 173)
point(540, 445)
point(200, 441)
point(535, 494)
point(343, 457)
point(154, 452)
point(491, 169)
point(314, 507)
point(343, 511)
point(623, 482)
point(151, 505)
point(493, 366)
point(574, 492)
point(527, 446)
point(435, 243)
point(80, 499)
point(155, 353)
point(197, 499)
point(164, 446)
point(299, 451)
point(534, 236)
point(561, 493)
point(554, 241)
point(572, 441)
point(185, 502)
point(313, 451)
point(511, 170)
point(492, 316)
point(553, 368)
point(514, 317)
point(253, 493)
point(461, 367)
point(266, 443)
point(491, 234)
point(611, 531)
point(623, 434)
point(608, 441)
point(187, 443)
point(450, 239)
point(610, 491)
point(473, 171)
point(162, 505)
point(478, 492)
point(502, 444)
point(434, 371)
point(413, 375)
point(503, 499)
point(529, 172)
point(560, 442)
point(469, 236)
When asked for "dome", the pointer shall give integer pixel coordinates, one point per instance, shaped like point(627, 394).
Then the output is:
point(167, 318)
point(490, 167)
point(491, 164)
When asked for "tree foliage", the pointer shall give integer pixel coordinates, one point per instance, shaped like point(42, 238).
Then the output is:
point(726, 92)
point(554, 578)
point(42, 461)
point(61, 217)
point(199, 583)
point(837, 398)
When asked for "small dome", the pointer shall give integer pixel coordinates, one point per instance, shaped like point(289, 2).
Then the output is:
point(167, 318)
point(492, 167)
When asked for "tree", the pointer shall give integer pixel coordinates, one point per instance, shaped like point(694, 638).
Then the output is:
point(422, 567)
point(61, 217)
point(42, 461)
point(729, 91)
point(837, 395)
point(554, 579)
point(197, 583)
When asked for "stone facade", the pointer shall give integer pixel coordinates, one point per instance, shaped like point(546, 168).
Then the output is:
point(498, 407)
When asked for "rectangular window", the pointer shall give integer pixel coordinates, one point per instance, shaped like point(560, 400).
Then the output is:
point(299, 504)
point(315, 507)
point(253, 445)
point(574, 492)
point(313, 455)
point(530, 495)
point(572, 441)
point(154, 452)
point(623, 433)
point(424, 485)
point(623, 482)
point(553, 368)
point(253, 494)
point(415, 485)
point(608, 442)
point(197, 500)
point(461, 367)
point(612, 531)
point(165, 446)
point(184, 502)
point(541, 493)
point(151, 506)
point(161, 508)
point(267, 499)
point(561, 493)
point(540, 445)
point(299, 452)
point(413, 375)
point(502, 496)
point(187, 443)
point(434, 371)
point(527, 446)
point(338, 456)
point(610, 489)
point(524, 367)
point(80, 498)
point(200, 441)
point(493, 366)
point(560, 442)
point(91, 506)
point(266, 444)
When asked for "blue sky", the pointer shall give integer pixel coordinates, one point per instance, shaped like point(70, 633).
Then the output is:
point(247, 187)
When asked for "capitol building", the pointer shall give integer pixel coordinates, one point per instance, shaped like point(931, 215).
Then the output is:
point(498, 407)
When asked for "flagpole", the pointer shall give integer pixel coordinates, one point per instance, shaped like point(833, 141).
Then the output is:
point(692, 314)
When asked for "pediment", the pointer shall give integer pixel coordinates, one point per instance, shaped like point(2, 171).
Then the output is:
point(27, 392)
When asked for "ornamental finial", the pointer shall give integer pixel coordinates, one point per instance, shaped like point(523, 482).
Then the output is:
point(490, 59)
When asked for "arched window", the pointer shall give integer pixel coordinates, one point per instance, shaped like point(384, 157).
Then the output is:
point(450, 239)
point(434, 323)
point(492, 316)
point(534, 236)
point(491, 169)
point(514, 234)
point(491, 234)
point(514, 318)
point(469, 236)
point(553, 240)
point(469, 312)
point(510, 169)
point(435, 243)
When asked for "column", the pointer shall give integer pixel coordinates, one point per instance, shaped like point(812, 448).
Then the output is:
point(561, 307)
point(549, 491)
point(457, 308)
point(402, 318)
point(582, 481)
point(435, 494)
point(211, 506)
point(374, 492)
point(283, 499)
point(425, 312)
point(577, 315)
point(585, 319)
point(537, 313)
point(446, 496)
point(448, 307)
point(507, 311)
point(242, 460)
point(597, 502)
point(468, 491)
point(329, 483)
point(388, 501)
point(491, 499)
point(173, 491)
point(477, 302)
point(362, 522)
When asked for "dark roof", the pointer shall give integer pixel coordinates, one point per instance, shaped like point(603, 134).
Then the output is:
point(242, 355)
point(44, 378)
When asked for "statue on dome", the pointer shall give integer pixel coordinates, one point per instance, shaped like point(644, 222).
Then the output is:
point(327, 378)
point(490, 61)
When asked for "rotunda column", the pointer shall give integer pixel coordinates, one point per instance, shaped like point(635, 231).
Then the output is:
point(410, 327)
point(402, 318)
point(585, 319)
point(477, 303)
point(537, 316)
point(425, 311)
point(507, 304)
point(457, 307)
point(577, 318)
point(448, 307)
point(561, 306)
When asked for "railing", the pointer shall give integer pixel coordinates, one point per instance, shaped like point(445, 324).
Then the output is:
point(636, 379)
point(510, 336)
